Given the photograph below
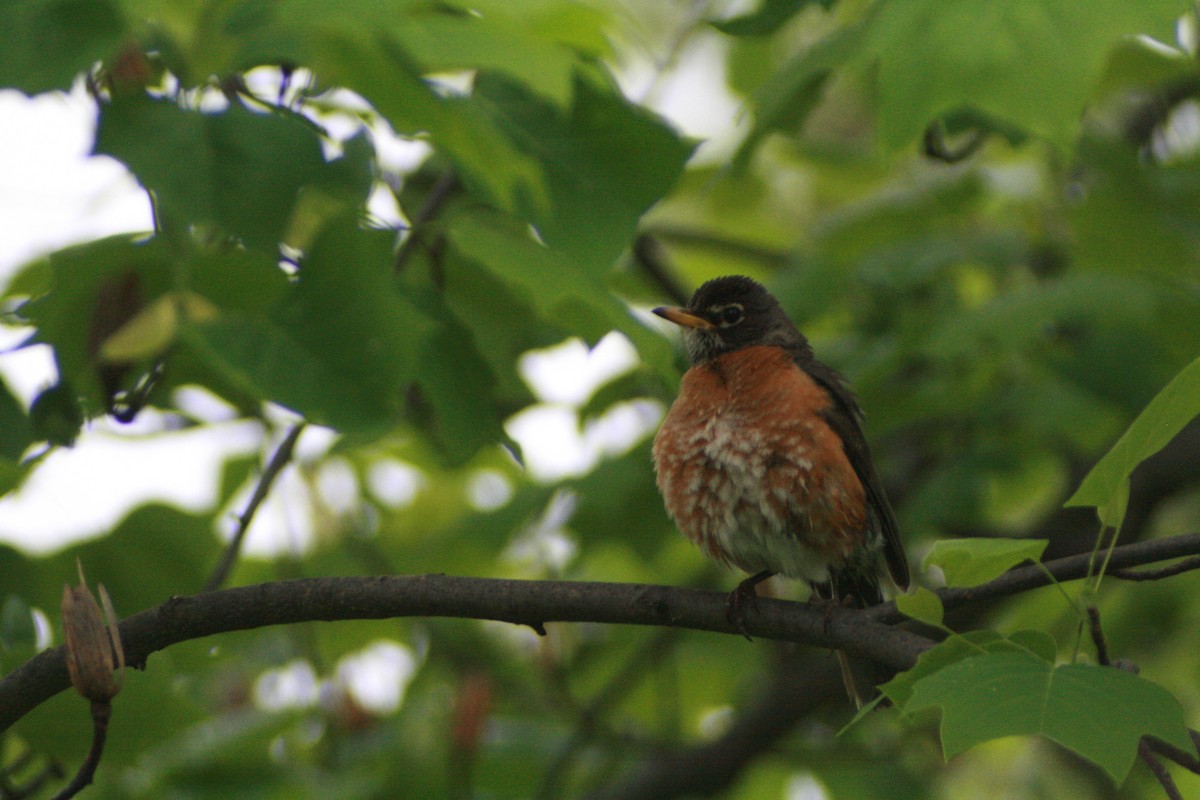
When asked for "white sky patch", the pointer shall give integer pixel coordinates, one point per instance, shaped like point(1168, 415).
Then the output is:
point(200, 403)
point(294, 685)
point(337, 486)
point(378, 675)
point(554, 447)
point(569, 373)
point(488, 490)
point(52, 193)
point(282, 523)
point(550, 442)
point(693, 96)
point(804, 787)
point(27, 370)
point(394, 483)
point(545, 544)
point(81, 492)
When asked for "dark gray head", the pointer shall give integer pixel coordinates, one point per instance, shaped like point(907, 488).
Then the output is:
point(730, 313)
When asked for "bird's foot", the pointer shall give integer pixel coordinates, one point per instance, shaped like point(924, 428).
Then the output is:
point(745, 593)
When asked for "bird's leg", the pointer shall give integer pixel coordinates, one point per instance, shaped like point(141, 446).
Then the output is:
point(746, 592)
point(835, 600)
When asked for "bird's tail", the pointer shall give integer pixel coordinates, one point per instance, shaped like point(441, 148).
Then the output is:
point(856, 589)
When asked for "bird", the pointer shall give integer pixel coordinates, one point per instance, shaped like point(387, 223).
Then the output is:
point(762, 461)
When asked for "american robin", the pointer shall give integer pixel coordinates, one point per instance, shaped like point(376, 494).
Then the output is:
point(762, 460)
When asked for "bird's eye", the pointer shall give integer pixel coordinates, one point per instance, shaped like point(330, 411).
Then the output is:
point(731, 315)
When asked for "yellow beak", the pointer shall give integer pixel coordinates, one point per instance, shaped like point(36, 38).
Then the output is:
point(683, 317)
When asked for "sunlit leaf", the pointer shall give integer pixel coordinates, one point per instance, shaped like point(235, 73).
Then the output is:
point(921, 605)
point(1107, 486)
point(970, 562)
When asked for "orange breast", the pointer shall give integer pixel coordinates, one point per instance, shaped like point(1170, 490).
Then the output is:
point(752, 473)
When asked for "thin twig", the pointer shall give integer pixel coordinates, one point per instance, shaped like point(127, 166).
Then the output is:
point(936, 145)
point(283, 454)
point(10, 790)
point(445, 188)
point(1098, 639)
point(101, 713)
point(1178, 568)
point(1160, 771)
point(737, 248)
point(1181, 757)
point(648, 254)
point(1068, 568)
point(1148, 744)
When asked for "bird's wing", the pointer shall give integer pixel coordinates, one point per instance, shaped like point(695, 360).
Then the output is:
point(845, 418)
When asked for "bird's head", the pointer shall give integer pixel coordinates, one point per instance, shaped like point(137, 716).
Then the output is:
point(727, 314)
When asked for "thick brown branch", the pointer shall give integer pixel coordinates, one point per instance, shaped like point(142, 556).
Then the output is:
point(531, 603)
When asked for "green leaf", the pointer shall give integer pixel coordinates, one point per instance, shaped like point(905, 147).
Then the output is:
point(237, 169)
point(559, 291)
point(921, 605)
point(1107, 485)
point(16, 431)
point(1029, 62)
point(458, 384)
point(56, 415)
point(94, 289)
point(792, 92)
point(48, 43)
point(959, 646)
point(348, 47)
point(342, 346)
point(442, 42)
point(1137, 215)
point(970, 562)
point(605, 162)
point(769, 17)
point(1009, 694)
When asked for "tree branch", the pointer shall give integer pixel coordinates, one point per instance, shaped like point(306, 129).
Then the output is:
point(1068, 568)
point(866, 634)
point(795, 688)
point(531, 603)
point(283, 454)
point(101, 713)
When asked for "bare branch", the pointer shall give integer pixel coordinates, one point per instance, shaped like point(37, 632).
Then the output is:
point(1181, 757)
point(1178, 568)
point(649, 255)
point(531, 603)
point(1146, 753)
point(794, 690)
point(283, 454)
point(101, 713)
point(446, 187)
point(1098, 636)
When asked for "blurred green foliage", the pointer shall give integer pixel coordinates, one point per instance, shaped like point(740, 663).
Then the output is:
point(985, 214)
